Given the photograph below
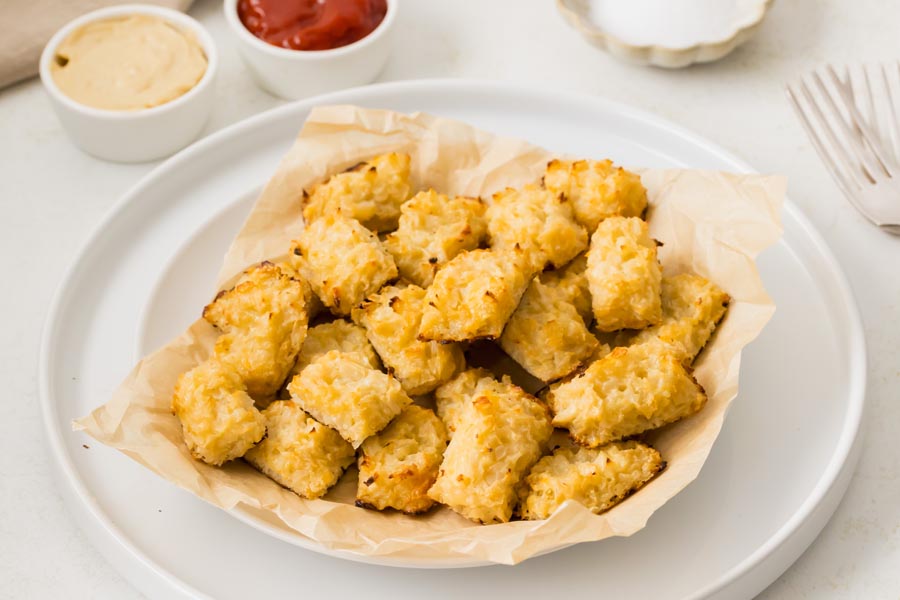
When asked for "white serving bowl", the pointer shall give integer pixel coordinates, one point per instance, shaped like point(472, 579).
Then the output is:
point(139, 135)
point(293, 74)
point(714, 28)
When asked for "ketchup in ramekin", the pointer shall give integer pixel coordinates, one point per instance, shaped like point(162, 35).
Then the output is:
point(311, 24)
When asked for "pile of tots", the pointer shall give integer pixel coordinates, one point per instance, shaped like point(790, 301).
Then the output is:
point(562, 275)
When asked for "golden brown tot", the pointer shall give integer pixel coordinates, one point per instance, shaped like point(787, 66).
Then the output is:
point(537, 221)
point(572, 281)
point(598, 478)
point(263, 319)
point(299, 452)
point(371, 192)
point(433, 229)
point(337, 335)
point(624, 275)
point(474, 295)
point(546, 335)
point(344, 261)
point(502, 432)
point(691, 308)
point(400, 464)
point(218, 418)
point(631, 390)
point(391, 319)
point(344, 392)
point(597, 189)
point(452, 397)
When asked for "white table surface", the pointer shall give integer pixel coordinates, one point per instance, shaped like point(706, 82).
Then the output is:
point(52, 196)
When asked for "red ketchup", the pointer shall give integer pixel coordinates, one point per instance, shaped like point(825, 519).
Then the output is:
point(311, 24)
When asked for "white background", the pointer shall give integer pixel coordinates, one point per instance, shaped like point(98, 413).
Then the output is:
point(52, 196)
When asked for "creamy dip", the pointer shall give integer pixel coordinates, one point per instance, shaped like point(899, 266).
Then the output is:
point(128, 63)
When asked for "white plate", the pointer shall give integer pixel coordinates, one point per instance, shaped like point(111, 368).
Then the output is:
point(776, 474)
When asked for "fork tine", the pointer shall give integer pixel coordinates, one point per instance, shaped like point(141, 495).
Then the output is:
point(864, 153)
point(847, 126)
point(849, 83)
point(870, 95)
point(883, 124)
point(847, 185)
point(857, 92)
point(882, 111)
point(846, 80)
point(842, 156)
point(893, 124)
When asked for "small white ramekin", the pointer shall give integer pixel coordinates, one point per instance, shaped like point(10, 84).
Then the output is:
point(293, 74)
point(576, 12)
point(139, 135)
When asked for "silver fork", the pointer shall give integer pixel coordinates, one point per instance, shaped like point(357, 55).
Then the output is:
point(851, 119)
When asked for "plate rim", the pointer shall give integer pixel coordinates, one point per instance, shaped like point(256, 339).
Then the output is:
point(857, 352)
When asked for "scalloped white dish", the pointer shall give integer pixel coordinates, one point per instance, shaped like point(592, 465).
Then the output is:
point(778, 470)
point(666, 33)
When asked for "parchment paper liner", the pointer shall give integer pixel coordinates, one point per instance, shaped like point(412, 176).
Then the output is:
point(711, 223)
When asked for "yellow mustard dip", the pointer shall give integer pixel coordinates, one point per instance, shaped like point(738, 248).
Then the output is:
point(128, 63)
